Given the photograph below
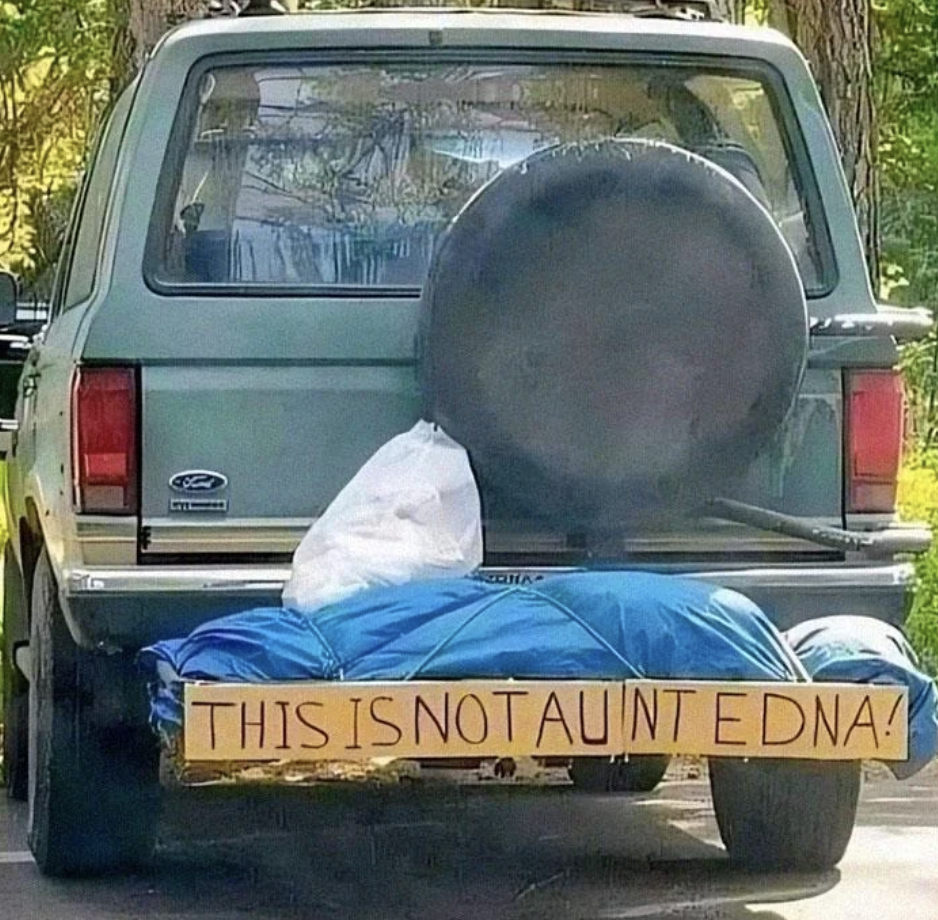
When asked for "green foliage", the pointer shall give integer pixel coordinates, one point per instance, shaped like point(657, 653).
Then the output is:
point(907, 97)
point(918, 498)
point(54, 67)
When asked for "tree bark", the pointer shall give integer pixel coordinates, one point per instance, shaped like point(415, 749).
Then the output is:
point(838, 41)
point(138, 26)
point(731, 10)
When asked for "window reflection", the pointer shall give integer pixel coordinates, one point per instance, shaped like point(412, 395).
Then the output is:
point(346, 175)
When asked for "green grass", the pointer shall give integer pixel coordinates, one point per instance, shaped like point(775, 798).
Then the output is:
point(3, 540)
point(918, 500)
point(3, 532)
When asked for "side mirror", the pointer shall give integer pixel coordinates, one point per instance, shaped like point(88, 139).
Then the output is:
point(9, 295)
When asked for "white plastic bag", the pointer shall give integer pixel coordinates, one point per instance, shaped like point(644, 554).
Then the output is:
point(412, 512)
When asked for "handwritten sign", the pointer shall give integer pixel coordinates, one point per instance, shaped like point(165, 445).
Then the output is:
point(816, 721)
point(360, 721)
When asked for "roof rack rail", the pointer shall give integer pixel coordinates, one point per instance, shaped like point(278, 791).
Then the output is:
point(687, 10)
point(229, 8)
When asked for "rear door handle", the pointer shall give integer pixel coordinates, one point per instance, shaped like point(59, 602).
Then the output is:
point(31, 383)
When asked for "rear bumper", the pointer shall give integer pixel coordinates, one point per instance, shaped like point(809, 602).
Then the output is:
point(132, 606)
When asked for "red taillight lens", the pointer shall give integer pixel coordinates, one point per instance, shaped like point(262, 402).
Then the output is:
point(875, 420)
point(104, 440)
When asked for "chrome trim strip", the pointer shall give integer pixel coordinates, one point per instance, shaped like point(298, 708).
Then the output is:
point(232, 535)
point(174, 580)
point(176, 536)
point(896, 575)
point(171, 536)
point(245, 581)
point(106, 541)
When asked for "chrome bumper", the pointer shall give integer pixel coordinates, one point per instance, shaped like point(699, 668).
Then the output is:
point(172, 580)
point(263, 581)
point(129, 607)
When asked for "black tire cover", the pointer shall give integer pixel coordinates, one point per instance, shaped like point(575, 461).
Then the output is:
point(611, 330)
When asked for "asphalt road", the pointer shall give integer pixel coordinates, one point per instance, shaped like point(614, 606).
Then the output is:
point(547, 856)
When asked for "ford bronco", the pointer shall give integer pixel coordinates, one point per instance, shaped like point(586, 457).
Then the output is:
point(235, 329)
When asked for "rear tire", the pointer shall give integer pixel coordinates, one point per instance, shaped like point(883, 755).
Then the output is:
point(93, 779)
point(640, 773)
point(785, 814)
point(16, 744)
point(15, 686)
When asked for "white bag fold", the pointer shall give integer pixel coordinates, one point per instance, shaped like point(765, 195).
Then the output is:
point(411, 513)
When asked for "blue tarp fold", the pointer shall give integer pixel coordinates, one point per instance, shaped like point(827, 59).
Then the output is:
point(597, 625)
point(861, 650)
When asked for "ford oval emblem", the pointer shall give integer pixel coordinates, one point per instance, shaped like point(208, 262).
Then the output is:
point(197, 482)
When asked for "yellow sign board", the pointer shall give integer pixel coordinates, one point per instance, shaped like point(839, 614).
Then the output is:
point(481, 719)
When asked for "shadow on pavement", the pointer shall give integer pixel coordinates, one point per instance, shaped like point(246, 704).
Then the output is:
point(546, 855)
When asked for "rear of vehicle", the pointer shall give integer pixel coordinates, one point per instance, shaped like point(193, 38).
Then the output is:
point(234, 330)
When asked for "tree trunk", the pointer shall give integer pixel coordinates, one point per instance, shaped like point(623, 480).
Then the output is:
point(731, 10)
point(837, 39)
point(138, 26)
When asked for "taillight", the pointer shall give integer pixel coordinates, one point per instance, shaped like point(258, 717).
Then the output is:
point(875, 416)
point(104, 440)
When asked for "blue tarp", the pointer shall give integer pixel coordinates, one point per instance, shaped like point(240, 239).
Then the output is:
point(596, 625)
point(863, 650)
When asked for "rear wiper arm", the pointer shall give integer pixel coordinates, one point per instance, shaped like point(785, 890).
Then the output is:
point(902, 323)
point(874, 544)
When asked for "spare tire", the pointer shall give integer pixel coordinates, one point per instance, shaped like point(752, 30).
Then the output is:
point(612, 331)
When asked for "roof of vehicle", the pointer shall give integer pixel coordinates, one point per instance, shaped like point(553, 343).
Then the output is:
point(449, 26)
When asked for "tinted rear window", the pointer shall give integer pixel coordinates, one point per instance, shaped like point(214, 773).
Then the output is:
point(344, 176)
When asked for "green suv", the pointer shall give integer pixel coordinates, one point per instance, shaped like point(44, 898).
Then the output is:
point(234, 331)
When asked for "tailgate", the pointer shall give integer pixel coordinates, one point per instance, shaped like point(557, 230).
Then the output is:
point(284, 436)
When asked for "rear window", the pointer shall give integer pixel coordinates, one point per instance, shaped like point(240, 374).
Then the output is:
point(343, 176)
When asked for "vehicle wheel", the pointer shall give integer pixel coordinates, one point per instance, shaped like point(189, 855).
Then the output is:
point(15, 686)
point(641, 773)
point(93, 765)
point(629, 439)
point(785, 814)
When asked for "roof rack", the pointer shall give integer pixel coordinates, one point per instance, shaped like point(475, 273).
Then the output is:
point(692, 10)
point(228, 8)
point(687, 10)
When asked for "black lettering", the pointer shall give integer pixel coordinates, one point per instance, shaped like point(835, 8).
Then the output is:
point(421, 704)
point(833, 732)
point(354, 746)
point(312, 726)
point(598, 739)
point(211, 715)
point(387, 723)
point(484, 724)
point(260, 724)
point(892, 715)
point(765, 719)
point(557, 719)
point(651, 718)
point(677, 709)
point(867, 707)
point(720, 719)
point(283, 706)
point(508, 694)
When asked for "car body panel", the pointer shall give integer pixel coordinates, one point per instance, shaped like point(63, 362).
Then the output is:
point(287, 395)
